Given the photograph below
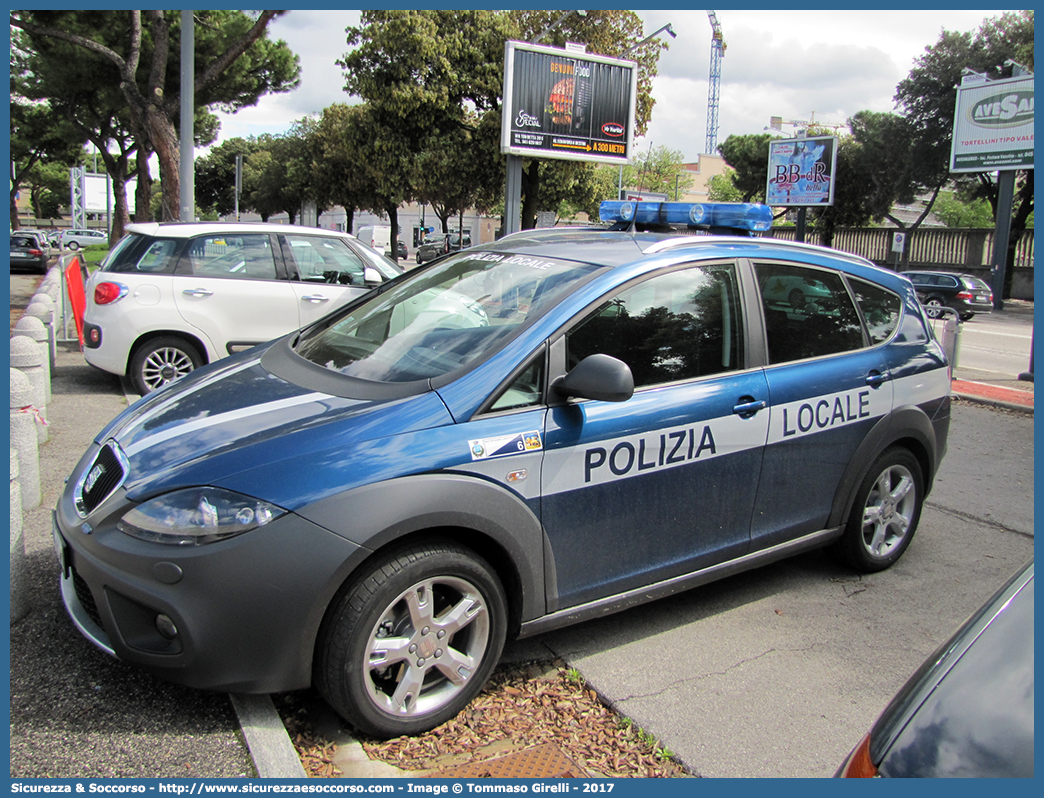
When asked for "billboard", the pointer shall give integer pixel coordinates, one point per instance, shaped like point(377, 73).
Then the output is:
point(567, 104)
point(98, 195)
point(801, 171)
point(993, 126)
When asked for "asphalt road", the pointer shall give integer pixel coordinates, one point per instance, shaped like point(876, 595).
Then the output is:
point(997, 345)
point(780, 671)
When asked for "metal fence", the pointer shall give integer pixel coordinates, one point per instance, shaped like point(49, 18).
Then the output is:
point(940, 248)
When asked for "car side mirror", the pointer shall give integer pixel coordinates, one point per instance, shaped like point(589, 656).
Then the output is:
point(371, 276)
point(601, 377)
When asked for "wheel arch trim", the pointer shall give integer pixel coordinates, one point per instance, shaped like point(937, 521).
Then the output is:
point(475, 513)
point(907, 426)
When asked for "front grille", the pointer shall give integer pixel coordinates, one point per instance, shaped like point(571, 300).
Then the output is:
point(86, 598)
point(101, 479)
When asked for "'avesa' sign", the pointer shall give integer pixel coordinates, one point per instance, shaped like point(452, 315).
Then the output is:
point(993, 126)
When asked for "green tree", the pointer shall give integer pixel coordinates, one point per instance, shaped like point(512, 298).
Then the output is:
point(928, 97)
point(748, 156)
point(215, 175)
point(277, 174)
point(38, 138)
point(235, 65)
point(956, 212)
point(658, 170)
point(336, 174)
point(427, 78)
point(722, 187)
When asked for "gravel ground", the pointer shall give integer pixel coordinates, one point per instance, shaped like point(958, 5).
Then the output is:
point(76, 712)
point(522, 707)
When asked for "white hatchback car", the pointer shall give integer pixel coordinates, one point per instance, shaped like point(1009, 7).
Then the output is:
point(171, 297)
point(74, 239)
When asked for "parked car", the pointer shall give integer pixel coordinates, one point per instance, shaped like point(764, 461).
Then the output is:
point(29, 251)
point(964, 293)
point(74, 239)
point(47, 237)
point(169, 298)
point(435, 246)
point(524, 435)
point(968, 710)
point(400, 249)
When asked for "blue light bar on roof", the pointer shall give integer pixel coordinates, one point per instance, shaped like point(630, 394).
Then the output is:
point(733, 215)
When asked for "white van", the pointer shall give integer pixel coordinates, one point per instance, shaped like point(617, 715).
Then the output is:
point(377, 236)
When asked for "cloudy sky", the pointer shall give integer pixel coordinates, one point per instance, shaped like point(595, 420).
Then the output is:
point(791, 64)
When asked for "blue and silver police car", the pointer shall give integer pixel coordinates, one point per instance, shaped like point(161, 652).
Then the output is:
point(519, 436)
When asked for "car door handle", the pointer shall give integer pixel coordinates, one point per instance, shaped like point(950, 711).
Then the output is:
point(748, 406)
point(875, 379)
point(197, 292)
point(316, 298)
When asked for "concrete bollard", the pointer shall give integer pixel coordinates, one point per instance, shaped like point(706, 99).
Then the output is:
point(26, 357)
point(33, 329)
point(19, 597)
point(24, 440)
point(51, 286)
point(41, 298)
point(46, 314)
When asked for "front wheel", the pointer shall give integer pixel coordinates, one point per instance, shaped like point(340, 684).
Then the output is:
point(885, 515)
point(162, 360)
point(408, 643)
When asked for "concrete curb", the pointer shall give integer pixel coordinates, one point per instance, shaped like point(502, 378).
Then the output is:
point(274, 755)
point(990, 402)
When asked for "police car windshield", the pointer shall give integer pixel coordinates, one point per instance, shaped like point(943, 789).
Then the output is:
point(442, 319)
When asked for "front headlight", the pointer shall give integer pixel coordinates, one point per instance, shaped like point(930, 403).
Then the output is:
point(195, 516)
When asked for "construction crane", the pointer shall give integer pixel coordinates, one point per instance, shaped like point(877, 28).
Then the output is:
point(714, 87)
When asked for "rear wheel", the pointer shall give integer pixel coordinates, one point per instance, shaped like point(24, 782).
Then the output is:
point(73, 245)
point(885, 514)
point(933, 307)
point(163, 360)
point(408, 643)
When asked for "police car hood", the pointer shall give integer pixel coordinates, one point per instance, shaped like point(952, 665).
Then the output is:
point(219, 422)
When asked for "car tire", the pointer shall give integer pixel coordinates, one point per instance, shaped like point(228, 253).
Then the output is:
point(933, 307)
point(885, 513)
point(162, 360)
point(967, 316)
point(445, 610)
point(73, 245)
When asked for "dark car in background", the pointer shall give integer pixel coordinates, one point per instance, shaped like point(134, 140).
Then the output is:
point(400, 249)
point(964, 293)
point(29, 251)
point(968, 710)
point(435, 246)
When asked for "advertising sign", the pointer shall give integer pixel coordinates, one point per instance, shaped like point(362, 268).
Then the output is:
point(801, 171)
point(567, 104)
point(993, 126)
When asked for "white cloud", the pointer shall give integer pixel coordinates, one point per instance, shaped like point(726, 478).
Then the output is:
point(831, 63)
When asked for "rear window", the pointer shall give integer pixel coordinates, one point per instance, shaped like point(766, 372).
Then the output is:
point(975, 284)
point(145, 254)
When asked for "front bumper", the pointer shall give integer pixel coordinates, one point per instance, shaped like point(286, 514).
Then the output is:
point(244, 612)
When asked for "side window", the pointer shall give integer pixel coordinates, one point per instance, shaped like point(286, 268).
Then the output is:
point(525, 390)
point(880, 308)
point(675, 326)
point(316, 259)
point(244, 257)
point(808, 312)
